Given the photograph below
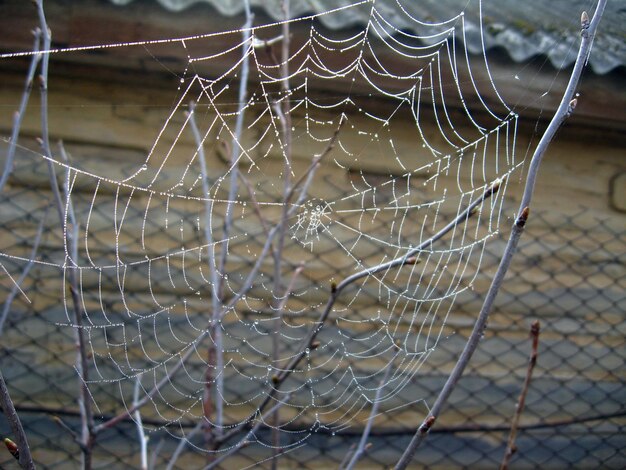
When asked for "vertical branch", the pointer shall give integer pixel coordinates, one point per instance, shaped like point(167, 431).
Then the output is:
point(24, 456)
point(566, 107)
point(283, 110)
point(143, 440)
point(19, 114)
point(70, 236)
point(70, 231)
point(215, 356)
point(236, 142)
point(16, 286)
point(510, 447)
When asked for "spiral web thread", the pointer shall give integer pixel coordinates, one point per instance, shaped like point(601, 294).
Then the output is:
point(158, 228)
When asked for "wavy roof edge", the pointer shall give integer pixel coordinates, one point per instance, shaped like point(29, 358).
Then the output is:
point(523, 29)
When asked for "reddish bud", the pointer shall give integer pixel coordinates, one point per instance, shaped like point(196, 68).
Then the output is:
point(12, 446)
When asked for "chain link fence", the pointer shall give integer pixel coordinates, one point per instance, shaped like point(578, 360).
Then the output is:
point(569, 274)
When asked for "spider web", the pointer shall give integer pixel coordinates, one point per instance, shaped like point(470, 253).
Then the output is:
point(228, 308)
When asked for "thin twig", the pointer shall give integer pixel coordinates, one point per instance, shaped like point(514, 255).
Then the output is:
point(16, 286)
point(245, 441)
point(184, 440)
point(407, 259)
point(19, 114)
point(360, 450)
point(237, 137)
point(25, 457)
point(70, 239)
point(215, 359)
point(347, 456)
point(70, 230)
point(307, 176)
point(63, 425)
point(143, 440)
point(155, 454)
point(275, 419)
point(510, 446)
point(564, 110)
point(283, 111)
point(255, 203)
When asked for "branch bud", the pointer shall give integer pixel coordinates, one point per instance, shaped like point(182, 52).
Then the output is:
point(412, 260)
point(315, 345)
point(534, 328)
point(495, 186)
point(12, 447)
point(427, 424)
point(584, 20)
point(523, 217)
point(572, 106)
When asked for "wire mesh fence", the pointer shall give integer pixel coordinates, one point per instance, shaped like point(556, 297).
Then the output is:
point(569, 275)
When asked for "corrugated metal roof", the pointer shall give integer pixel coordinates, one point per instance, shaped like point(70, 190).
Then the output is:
point(524, 28)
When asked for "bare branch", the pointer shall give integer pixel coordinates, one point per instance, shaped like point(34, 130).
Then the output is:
point(19, 114)
point(184, 440)
point(307, 176)
point(407, 259)
point(25, 458)
point(143, 440)
point(510, 447)
point(360, 450)
point(564, 109)
point(246, 440)
point(236, 142)
point(16, 286)
point(215, 349)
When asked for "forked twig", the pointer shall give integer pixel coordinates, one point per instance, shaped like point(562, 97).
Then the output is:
point(510, 446)
point(409, 258)
point(566, 107)
point(245, 441)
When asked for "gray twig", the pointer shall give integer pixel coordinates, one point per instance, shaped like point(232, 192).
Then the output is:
point(245, 441)
point(360, 450)
point(409, 258)
point(25, 458)
point(215, 352)
point(19, 114)
point(143, 440)
point(16, 286)
point(510, 447)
